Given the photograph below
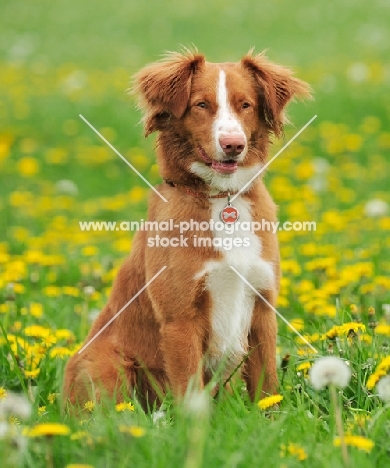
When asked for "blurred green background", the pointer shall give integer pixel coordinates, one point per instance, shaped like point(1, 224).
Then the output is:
point(336, 45)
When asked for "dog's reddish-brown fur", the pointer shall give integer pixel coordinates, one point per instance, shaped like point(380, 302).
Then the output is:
point(160, 340)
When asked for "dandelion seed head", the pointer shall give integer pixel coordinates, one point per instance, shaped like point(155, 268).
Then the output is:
point(89, 290)
point(329, 370)
point(158, 416)
point(376, 208)
point(383, 388)
point(16, 405)
point(68, 187)
point(196, 402)
point(4, 429)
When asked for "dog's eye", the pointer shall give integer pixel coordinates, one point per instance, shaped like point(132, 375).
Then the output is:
point(202, 105)
point(246, 105)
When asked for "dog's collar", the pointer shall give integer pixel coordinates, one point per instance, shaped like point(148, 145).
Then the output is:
point(198, 193)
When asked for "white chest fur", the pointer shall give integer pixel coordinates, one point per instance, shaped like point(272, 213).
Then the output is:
point(232, 300)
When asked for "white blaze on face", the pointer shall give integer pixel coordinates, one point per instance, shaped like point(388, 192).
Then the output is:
point(226, 123)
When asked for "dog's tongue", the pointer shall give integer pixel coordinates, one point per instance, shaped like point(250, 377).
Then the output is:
point(224, 167)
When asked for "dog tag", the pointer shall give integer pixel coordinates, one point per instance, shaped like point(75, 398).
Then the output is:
point(229, 214)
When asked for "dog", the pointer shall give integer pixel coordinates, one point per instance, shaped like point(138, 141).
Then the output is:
point(201, 316)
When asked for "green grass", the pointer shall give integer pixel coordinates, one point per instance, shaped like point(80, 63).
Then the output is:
point(62, 59)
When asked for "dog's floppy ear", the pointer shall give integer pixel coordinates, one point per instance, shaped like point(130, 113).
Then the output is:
point(164, 88)
point(278, 86)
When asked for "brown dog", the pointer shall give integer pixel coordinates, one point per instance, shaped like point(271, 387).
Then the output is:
point(198, 316)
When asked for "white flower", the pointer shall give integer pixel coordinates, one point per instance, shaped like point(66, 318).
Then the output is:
point(16, 405)
point(376, 208)
point(75, 81)
point(386, 311)
point(68, 187)
point(321, 165)
point(4, 429)
point(158, 417)
point(89, 290)
point(358, 72)
point(383, 388)
point(329, 370)
point(93, 315)
point(196, 402)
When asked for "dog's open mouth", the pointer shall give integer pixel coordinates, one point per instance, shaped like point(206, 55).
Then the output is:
point(225, 167)
point(222, 167)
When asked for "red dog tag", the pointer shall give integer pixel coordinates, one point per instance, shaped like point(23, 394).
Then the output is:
point(229, 214)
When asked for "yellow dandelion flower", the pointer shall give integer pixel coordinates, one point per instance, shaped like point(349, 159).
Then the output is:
point(60, 352)
point(120, 407)
point(32, 373)
point(384, 365)
point(56, 156)
point(304, 366)
point(134, 431)
point(41, 410)
point(365, 338)
point(3, 393)
point(360, 442)
point(49, 429)
point(382, 329)
point(37, 331)
point(89, 251)
point(49, 340)
point(332, 333)
point(374, 379)
point(361, 419)
point(64, 334)
point(345, 328)
point(294, 450)
point(71, 291)
point(36, 310)
point(52, 291)
point(51, 398)
point(298, 324)
point(305, 351)
point(137, 194)
point(78, 435)
point(19, 288)
point(267, 402)
point(82, 435)
point(78, 465)
point(309, 338)
point(283, 302)
point(89, 405)
point(28, 167)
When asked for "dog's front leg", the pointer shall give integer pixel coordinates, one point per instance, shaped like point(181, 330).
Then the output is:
point(182, 346)
point(260, 370)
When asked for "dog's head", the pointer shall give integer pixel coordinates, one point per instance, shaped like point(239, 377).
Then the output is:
point(215, 119)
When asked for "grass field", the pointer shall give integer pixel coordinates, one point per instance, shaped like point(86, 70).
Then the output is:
point(61, 59)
